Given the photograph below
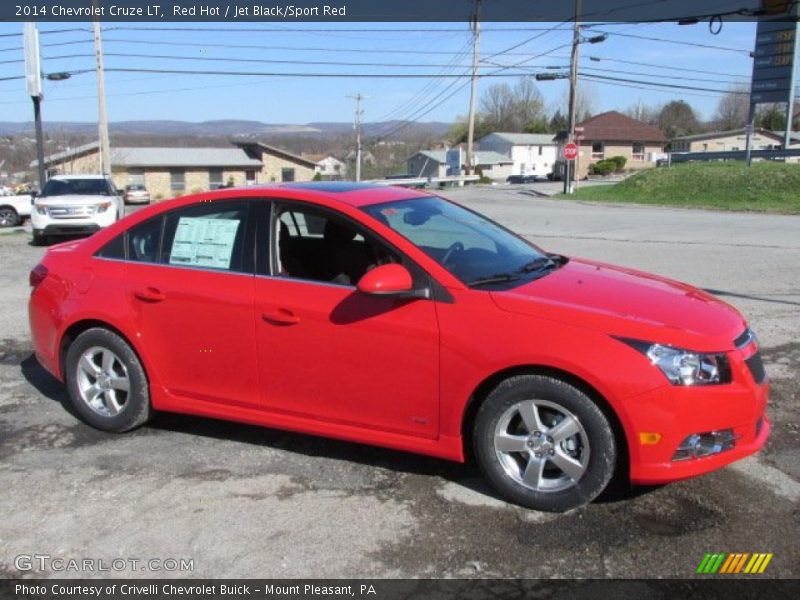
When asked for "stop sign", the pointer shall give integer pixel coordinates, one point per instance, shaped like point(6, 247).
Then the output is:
point(570, 151)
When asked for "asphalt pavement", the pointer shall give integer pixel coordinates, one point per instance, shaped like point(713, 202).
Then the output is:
point(243, 501)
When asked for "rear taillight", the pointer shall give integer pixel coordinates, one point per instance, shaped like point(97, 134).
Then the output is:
point(37, 275)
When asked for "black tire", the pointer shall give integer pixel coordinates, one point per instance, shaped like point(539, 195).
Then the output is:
point(9, 217)
point(596, 438)
point(39, 238)
point(135, 410)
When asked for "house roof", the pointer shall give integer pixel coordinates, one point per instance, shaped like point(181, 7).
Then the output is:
point(613, 126)
point(161, 157)
point(482, 157)
point(522, 139)
point(275, 152)
point(777, 135)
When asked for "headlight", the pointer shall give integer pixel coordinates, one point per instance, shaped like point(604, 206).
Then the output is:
point(684, 367)
point(102, 207)
point(41, 209)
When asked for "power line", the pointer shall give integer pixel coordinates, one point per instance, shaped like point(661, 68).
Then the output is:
point(316, 30)
point(669, 41)
point(656, 66)
point(657, 75)
point(669, 85)
point(497, 73)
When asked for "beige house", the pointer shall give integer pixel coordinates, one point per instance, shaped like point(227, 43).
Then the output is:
point(721, 141)
point(170, 172)
point(614, 134)
point(278, 165)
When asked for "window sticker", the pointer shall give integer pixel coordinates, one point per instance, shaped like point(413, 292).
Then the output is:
point(204, 242)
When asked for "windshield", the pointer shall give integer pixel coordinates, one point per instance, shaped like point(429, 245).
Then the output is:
point(83, 187)
point(476, 250)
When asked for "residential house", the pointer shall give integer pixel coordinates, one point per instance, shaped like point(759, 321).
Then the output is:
point(614, 134)
point(278, 165)
point(433, 163)
point(531, 153)
point(166, 172)
point(735, 139)
point(329, 167)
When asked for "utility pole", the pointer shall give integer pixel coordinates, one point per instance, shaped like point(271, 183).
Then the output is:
point(105, 150)
point(473, 90)
point(33, 82)
point(573, 95)
point(357, 126)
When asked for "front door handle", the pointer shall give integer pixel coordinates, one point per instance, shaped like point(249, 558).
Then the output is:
point(150, 294)
point(280, 316)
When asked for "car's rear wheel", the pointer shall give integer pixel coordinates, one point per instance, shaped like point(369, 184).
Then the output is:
point(106, 381)
point(544, 444)
point(8, 217)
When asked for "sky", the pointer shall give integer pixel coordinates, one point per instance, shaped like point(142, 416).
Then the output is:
point(439, 49)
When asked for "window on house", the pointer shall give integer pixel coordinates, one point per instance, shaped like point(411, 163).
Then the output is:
point(598, 150)
point(287, 174)
point(637, 151)
point(177, 180)
point(215, 179)
point(250, 176)
point(541, 149)
point(136, 176)
point(705, 147)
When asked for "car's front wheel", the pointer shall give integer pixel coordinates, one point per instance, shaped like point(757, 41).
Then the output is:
point(106, 381)
point(544, 443)
point(8, 217)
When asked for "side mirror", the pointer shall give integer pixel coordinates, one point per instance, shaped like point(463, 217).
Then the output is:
point(390, 280)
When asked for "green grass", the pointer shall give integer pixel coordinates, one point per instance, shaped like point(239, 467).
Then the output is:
point(762, 187)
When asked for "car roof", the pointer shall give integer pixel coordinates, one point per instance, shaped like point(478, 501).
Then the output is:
point(68, 177)
point(346, 192)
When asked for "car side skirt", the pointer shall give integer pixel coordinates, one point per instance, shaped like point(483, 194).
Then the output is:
point(446, 447)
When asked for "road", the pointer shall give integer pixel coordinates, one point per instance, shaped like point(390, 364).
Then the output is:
point(245, 501)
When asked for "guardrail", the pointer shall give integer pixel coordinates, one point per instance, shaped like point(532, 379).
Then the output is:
point(425, 181)
point(678, 157)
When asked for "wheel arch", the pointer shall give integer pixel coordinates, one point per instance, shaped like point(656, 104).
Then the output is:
point(483, 390)
point(75, 329)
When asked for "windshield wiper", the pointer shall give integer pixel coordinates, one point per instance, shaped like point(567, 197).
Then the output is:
point(496, 278)
point(538, 264)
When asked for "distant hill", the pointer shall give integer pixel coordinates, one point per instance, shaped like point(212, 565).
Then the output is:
point(228, 128)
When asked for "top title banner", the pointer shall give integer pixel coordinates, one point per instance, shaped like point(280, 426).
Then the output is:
point(387, 10)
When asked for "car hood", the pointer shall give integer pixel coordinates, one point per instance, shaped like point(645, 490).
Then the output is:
point(73, 199)
point(628, 303)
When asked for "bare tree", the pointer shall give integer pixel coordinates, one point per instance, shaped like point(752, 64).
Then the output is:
point(733, 109)
point(504, 108)
point(677, 118)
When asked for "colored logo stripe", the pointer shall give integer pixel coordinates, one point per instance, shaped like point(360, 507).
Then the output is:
point(735, 562)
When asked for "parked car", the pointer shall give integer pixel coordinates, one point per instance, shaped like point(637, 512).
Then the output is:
point(394, 317)
point(14, 209)
point(531, 178)
point(73, 205)
point(136, 194)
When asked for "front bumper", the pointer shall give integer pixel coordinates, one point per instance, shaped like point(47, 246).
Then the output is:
point(47, 225)
point(676, 412)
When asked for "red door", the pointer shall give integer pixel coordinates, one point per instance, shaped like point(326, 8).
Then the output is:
point(329, 352)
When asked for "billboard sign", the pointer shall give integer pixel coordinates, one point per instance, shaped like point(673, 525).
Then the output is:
point(774, 60)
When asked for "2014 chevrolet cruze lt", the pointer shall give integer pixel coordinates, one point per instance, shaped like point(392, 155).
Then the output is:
point(397, 318)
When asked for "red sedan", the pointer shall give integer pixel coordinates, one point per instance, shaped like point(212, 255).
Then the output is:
point(397, 318)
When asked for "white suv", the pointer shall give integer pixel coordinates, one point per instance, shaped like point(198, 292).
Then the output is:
point(74, 204)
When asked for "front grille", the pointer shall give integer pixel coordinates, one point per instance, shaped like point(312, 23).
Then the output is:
point(70, 212)
point(756, 367)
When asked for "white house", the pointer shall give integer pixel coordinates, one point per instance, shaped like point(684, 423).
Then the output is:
point(433, 163)
point(531, 153)
point(329, 167)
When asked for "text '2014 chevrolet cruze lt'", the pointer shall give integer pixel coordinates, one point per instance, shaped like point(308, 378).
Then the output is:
point(400, 319)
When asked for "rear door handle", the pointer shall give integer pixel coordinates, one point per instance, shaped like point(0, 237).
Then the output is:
point(150, 294)
point(280, 316)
